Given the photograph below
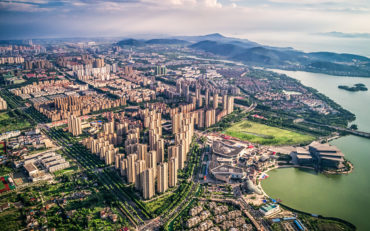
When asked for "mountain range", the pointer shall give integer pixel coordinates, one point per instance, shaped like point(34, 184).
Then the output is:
point(255, 54)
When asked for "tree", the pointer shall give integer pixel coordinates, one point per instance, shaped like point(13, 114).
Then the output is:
point(353, 127)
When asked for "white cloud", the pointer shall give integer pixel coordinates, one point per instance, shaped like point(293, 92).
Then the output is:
point(89, 17)
point(21, 7)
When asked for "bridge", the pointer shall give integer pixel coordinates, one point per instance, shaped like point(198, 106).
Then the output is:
point(347, 130)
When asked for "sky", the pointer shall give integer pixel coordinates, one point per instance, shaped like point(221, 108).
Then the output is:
point(273, 22)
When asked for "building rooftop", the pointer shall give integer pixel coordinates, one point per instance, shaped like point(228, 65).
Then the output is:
point(226, 150)
point(30, 167)
point(323, 147)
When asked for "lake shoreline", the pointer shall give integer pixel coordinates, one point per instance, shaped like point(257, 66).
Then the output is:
point(333, 195)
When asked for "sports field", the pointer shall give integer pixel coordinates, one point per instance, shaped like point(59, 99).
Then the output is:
point(266, 135)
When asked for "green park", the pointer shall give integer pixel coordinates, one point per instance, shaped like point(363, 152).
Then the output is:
point(266, 135)
point(10, 121)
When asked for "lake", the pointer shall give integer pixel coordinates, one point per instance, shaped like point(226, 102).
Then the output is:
point(342, 196)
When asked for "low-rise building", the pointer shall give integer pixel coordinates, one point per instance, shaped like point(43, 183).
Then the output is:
point(327, 155)
point(269, 209)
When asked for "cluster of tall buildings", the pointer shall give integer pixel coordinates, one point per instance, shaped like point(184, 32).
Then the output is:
point(63, 107)
point(144, 163)
point(40, 64)
point(3, 104)
point(11, 60)
point(183, 130)
point(160, 70)
point(41, 85)
point(99, 62)
point(207, 105)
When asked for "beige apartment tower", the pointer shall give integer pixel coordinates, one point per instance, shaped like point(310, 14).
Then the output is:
point(74, 125)
point(131, 173)
point(148, 186)
point(162, 177)
point(230, 104)
point(151, 161)
point(140, 167)
point(215, 100)
point(160, 151)
point(142, 150)
point(173, 151)
point(172, 172)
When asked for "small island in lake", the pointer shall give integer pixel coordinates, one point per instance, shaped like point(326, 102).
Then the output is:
point(356, 87)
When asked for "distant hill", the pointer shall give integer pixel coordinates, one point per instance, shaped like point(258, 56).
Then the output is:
point(252, 53)
point(136, 42)
point(286, 58)
point(220, 38)
point(166, 41)
point(131, 42)
point(224, 49)
point(334, 57)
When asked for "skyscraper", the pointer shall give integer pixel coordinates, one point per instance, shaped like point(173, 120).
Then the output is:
point(148, 187)
point(210, 118)
point(181, 155)
point(176, 122)
point(74, 125)
point(151, 161)
point(142, 150)
point(172, 170)
point(162, 177)
point(224, 102)
point(230, 104)
point(140, 167)
point(206, 98)
point(160, 151)
point(131, 173)
point(173, 151)
point(215, 100)
point(123, 168)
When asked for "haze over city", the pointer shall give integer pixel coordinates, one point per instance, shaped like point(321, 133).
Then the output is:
point(307, 25)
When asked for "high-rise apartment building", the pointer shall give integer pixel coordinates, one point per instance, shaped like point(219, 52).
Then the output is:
point(74, 125)
point(173, 151)
point(99, 63)
point(151, 161)
point(140, 167)
point(160, 151)
point(123, 168)
point(230, 104)
point(162, 177)
point(142, 150)
point(172, 171)
point(210, 118)
point(206, 97)
point(148, 186)
point(131, 173)
point(224, 102)
point(215, 100)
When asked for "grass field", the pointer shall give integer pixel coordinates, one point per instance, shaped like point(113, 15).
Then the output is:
point(266, 135)
point(8, 123)
point(2, 186)
point(2, 149)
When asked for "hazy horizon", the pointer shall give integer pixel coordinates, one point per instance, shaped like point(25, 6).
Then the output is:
point(308, 25)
